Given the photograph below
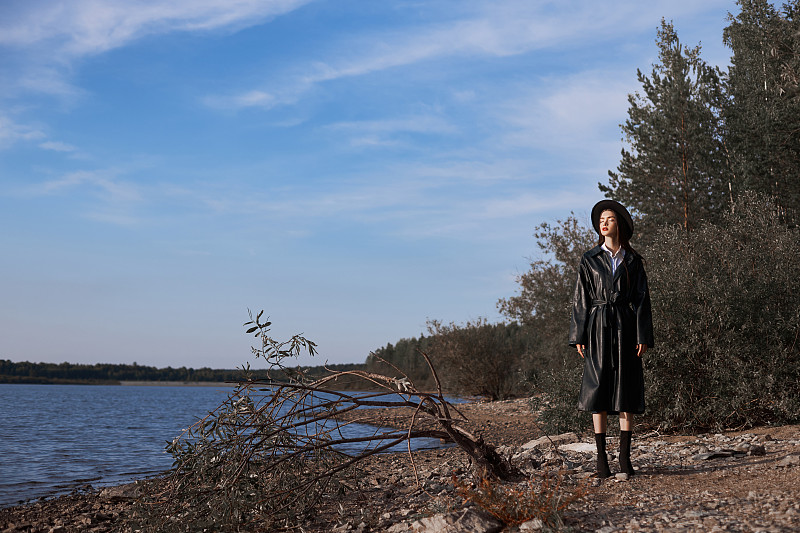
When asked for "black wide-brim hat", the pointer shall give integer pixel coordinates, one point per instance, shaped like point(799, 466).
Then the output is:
point(625, 220)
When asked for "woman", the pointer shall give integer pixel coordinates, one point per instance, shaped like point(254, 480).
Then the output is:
point(612, 327)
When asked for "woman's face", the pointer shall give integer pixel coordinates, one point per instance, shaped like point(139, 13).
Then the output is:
point(608, 224)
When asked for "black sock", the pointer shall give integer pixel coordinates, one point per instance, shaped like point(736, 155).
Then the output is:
point(625, 452)
point(602, 460)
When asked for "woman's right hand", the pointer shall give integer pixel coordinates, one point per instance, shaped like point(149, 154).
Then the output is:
point(581, 348)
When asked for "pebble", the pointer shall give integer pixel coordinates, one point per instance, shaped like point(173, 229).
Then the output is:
point(758, 449)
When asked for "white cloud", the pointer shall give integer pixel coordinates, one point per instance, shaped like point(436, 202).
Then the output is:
point(533, 203)
point(570, 113)
point(52, 34)
point(100, 195)
point(499, 29)
point(385, 132)
point(11, 132)
point(104, 181)
point(46, 79)
point(522, 204)
point(417, 124)
point(57, 146)
point(257, 98)
point(83, 27)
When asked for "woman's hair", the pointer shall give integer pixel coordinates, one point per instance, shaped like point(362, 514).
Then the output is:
point(624, 238)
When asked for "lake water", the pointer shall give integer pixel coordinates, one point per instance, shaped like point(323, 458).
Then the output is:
point(55, 438)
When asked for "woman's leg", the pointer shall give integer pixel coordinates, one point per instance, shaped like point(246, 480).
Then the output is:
point(626, 421)
point(625, 434)
point(599, 420)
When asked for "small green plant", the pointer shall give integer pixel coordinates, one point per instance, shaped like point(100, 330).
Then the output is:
point(259, 458)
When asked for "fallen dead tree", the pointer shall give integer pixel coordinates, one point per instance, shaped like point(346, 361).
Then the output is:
point(273, 449)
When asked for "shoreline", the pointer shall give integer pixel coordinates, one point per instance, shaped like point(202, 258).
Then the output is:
point(176, 384)
point(122, 383)
point(144, 383)
point(741, 480)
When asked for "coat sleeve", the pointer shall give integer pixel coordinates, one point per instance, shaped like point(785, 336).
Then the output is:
point(581, 305)
point(644, 315)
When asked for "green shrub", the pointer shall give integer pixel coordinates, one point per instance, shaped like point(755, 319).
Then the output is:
point(478, 358)
point(727, 317)
point(556, 397)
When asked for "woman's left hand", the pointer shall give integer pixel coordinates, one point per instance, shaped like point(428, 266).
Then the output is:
point(640, 349)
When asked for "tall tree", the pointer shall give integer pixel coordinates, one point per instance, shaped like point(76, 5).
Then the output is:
point(675, 171)
point(762, 111)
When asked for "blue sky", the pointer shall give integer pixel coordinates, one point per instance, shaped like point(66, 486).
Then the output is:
point(351, 167)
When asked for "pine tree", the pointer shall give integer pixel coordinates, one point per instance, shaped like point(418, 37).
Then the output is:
point(675, 170)
point(762, 111)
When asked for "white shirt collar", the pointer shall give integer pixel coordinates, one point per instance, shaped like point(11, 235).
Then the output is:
point(614, 255)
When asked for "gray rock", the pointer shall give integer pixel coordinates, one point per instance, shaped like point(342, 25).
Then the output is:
point(526, 455)
point(790, 460)
point(544, 442)
point(465, 521)
point(531, 525)
point(505, 450)
point(130, 491)
point(579, 447)
point(719, 454)
point(400, 527)
point(621, 476)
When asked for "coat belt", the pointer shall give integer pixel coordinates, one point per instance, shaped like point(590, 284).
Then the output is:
point(609, 307)
point(608, 310)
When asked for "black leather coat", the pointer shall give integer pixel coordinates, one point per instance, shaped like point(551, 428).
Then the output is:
point(610, 316)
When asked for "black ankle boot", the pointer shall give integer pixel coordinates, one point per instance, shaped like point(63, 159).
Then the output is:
point(625, 452)
point(602, 460)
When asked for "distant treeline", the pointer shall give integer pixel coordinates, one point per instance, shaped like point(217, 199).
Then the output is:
point(474, 359)
point(404, 356)
point(51, 373)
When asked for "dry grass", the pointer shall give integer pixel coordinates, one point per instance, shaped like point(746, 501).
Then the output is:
point(543, 497)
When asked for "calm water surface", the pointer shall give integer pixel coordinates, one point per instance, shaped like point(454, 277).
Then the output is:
point(54, 438)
